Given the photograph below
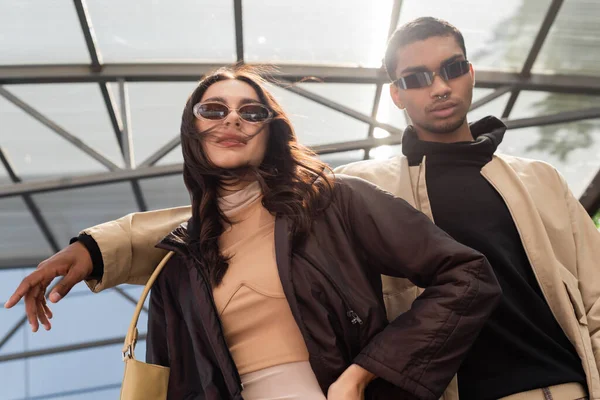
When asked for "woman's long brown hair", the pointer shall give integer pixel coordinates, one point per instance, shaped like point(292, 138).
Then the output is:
point(293, 181)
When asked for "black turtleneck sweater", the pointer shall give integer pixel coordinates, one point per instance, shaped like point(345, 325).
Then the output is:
point(522, 347)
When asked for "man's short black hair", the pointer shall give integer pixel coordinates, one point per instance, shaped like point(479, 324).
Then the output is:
point(414, 31)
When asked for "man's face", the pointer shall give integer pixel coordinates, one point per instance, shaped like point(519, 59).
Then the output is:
point(442, 107)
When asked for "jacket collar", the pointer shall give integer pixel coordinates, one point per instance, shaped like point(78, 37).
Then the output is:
point(487, 134)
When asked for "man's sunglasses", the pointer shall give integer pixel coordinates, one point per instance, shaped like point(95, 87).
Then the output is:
point(214, 111)
point(425, 78)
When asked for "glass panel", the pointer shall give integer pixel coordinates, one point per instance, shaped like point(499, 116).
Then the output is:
point(20, 237)
point(316, 124)
point(494, 107)
point(350, 32)
point(76, 370)
point(155, 114)
point(500, 39)
point(41, 33)
point(336, 159)
point(388, 112)
point(573, 41)
point(86, 318)
point(79, 109)
point(355, 96)
point(16, 344)
point(573, 148)
point(164, 30)
point(102, 392)
point(13, 380)
point(479, 93)
point(8, 320)
point(165, 192)
point(69, 211)
point(175, 156)
point(33, 148)
point(533, 104)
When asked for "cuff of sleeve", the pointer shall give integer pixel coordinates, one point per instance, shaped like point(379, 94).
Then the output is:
point(94, 250)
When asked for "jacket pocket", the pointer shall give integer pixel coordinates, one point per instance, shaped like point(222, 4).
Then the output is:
point(572, 286)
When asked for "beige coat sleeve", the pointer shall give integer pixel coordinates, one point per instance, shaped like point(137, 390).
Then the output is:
point(587, 243)
point(128, 245)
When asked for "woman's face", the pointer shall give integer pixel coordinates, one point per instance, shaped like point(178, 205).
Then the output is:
point(233, 142)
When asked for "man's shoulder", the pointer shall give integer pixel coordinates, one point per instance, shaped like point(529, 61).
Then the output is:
point(527, 165)
point(369, 169)
point(533, 173)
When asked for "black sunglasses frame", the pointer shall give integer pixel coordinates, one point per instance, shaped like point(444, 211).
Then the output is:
point(423, 79)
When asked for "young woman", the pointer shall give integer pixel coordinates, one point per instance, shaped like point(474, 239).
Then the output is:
point(274, 291)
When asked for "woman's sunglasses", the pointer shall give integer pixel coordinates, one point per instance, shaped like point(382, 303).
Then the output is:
point(425, 78)
point(214, 111)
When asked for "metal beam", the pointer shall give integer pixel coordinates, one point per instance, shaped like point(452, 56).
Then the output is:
point(171, 72)
point(163, 151)
point(552, 119)
point(58, 129)
point(13, 331)
point(510, 104)
point(174, 169)
point(486, 78)
point(338, 107)
point(541, 37)
point(96, 66)
point(376, 102)
point(128, 297)
point(395, 17)
point(239, 30)
point(542, 34)
point(490, 97)
point(113, 113)
point(127, 144)
point(72, 182)
point(88, 33)
point(139, 195)
point(126, 135)
point(21, 262)
point(590, 199)
point(31, 204)
point(64, 349)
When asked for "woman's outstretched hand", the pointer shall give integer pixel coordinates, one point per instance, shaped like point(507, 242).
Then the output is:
point(73, 263)
point(351, 384)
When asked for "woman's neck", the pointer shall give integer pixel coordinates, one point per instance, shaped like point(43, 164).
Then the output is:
point(232, 186)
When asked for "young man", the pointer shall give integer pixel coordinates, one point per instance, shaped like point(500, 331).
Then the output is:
point(543, 341)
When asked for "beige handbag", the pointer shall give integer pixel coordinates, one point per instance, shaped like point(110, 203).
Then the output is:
point(143, 381)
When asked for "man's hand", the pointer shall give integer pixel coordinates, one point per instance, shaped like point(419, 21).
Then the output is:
point(73, 262)
point(351, 384)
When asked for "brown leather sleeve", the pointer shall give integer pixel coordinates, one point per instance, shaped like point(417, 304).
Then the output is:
point(422, 349)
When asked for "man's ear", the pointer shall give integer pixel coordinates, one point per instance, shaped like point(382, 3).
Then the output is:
point(395, 93)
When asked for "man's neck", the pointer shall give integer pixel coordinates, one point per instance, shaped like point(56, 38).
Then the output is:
point(462, 134)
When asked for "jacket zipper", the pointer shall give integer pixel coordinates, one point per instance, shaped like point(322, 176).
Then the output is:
point(350, 313)
point(182, 252)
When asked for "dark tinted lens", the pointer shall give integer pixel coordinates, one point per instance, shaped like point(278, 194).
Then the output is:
point(416, 80)
point(214, 111)
point(456, 69)
point(254, 113)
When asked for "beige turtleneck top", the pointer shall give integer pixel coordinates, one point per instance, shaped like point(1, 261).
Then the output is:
point(258, 324)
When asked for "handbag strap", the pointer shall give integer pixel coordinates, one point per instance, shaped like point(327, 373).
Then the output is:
point(132, 332)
